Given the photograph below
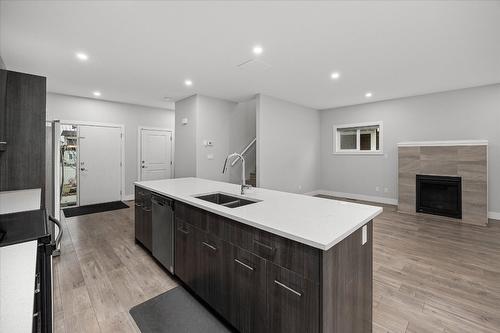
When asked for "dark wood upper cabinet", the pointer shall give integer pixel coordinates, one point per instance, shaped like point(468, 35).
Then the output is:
point(22, 131)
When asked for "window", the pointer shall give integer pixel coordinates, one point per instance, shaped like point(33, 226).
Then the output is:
point(365, 138)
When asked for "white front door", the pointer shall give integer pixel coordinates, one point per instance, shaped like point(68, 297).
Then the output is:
point(100, 164)
point(156, 154)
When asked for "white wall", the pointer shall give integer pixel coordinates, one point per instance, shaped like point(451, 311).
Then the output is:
point(462, 114)
point(185, 137)
point(213, 124)
point(241, 132)
point(65, 107)
point(227, 124)
point(288, 145)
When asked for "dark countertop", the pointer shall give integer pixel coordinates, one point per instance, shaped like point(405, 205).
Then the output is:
point(23, 227)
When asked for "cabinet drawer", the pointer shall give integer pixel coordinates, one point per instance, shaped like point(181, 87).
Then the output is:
point(297, 257)
point(192, 215)
point(139, 195)
point(293, 302)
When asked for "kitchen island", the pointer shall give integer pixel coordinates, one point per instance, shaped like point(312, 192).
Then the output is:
point(280, 262)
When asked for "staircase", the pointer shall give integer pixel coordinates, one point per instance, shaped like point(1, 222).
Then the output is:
point(252, 180)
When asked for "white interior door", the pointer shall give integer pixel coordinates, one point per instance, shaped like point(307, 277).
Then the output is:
point(100, 164)
point(156, 154)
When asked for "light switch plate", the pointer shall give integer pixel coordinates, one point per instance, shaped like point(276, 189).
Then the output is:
point(210, 156)
point(364, 236)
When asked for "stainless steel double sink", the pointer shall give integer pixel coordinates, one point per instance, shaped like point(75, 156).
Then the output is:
point(226, 200)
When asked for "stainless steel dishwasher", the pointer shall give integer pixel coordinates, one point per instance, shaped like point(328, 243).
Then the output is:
point(163, 231)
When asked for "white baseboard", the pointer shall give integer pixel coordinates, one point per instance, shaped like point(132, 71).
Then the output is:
point(388, 201)
point(383, 200)
point(494, 215)
point(127, 197)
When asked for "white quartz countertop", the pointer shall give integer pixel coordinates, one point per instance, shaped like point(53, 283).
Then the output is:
point(317, 222)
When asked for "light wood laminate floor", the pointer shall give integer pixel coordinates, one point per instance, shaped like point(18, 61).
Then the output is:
point(429, 275)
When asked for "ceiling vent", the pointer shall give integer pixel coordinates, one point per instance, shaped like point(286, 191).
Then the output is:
point(253, 64)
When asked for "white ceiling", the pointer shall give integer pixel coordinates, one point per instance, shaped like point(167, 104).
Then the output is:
point(142, 51)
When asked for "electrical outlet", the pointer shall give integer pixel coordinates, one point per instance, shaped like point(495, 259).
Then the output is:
point(300, 187)
point(210, 156)
point(386, 190)
point(377, 188)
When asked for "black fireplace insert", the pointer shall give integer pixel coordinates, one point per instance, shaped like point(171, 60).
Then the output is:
point(439, 195)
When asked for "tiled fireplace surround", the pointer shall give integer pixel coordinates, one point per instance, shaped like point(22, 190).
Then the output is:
point(465, 159)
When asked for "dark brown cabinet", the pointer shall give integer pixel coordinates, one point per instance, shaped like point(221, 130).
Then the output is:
point(244, 289)
point(22, 131)
point(3, 110)
point(185, 252)
point(143, 218)
point(262, 282)
point(293, 301)
point(235, 274)
point(208, 280)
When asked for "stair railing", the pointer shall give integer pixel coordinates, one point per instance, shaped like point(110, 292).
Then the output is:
point(243, 152)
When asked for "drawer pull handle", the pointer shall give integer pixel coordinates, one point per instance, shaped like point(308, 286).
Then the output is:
point(211, 247)
point(270, 248)
point(138, 205)
point(287, 288)
point(184, 231)
point(146, 210)
point(243, 264)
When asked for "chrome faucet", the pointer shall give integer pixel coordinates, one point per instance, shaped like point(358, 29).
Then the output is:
point(243, 176)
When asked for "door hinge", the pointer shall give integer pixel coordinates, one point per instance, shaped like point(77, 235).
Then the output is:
point(170, 162)
point(121, 135)
point(170, 138)
point(120, 163)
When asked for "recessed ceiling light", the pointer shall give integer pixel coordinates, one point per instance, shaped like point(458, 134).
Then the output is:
point(335, 75)
point(188, 83)
point(257, 50)
point(368, 94)
point(82, 56)
point(97, 93)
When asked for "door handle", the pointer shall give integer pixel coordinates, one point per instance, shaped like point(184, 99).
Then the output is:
point(243, 264)
point(287, 288)
point(211, 247)
point(59, 235)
